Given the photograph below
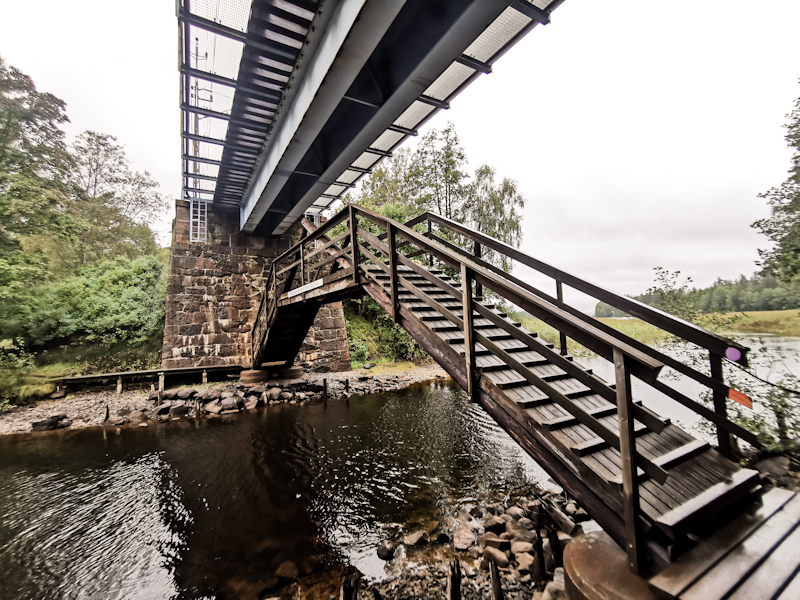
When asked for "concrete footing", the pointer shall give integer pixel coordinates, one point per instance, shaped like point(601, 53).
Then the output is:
point(596, 568)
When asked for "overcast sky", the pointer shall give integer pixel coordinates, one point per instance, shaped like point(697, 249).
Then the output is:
point(641, 132)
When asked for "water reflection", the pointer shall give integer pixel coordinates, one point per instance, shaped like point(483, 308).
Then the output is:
point(186, 509)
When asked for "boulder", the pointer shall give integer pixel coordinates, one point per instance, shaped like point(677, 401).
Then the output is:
point(418, 538)
point(554, 591)
point(516, 512)
point(442, 538)
point(274, 393)
point(152, 397)
point(776, 466)
point(138, 416)
point(169, 394)
point(463, 537)
point(228, 403)
point(47, 424)
point(496, 556)
point(179, 410)
point(386, 550)
point(477, 512)
point(521, 547)
point(526, 523)
point(163, 409)
point(525, 562)
point(214, 407)
point(58, 394)
point(286, 396)
point(287, 570)
point(495, 525)
point(251, 403)
point(226, 394)
point(186, 394)
point(475, 552)
point(492, 539)
point(63, 423)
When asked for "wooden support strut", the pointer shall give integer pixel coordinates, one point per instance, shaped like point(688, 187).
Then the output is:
point(720, 399)
point(627, 450)
point(354, 243)
point(562, 337)
point(393, 273)
point(469, 331)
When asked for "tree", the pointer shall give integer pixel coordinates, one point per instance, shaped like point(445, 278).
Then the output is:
point(783, 226)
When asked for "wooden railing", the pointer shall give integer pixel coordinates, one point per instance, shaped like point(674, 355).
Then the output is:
point(367, 238)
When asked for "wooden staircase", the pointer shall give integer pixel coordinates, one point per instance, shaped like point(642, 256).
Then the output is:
point(655, 489)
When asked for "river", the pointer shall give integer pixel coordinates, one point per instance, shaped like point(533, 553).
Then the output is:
point(193, 509)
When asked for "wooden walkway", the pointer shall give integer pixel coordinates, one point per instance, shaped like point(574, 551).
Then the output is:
point(663, 495)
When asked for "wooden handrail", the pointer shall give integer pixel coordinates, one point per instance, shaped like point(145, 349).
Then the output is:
point(683, 329)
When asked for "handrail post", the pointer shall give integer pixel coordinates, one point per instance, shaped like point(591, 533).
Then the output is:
point(724, 441)
point(393, 271)
point(562, 337)
point(354, 243)
point(469, 331)
point(302, 266)
point(627, 450)
point(478, 286)
point(430, 231)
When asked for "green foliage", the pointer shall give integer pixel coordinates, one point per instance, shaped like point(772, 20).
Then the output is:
point(109, 301)
point(782, 228)
point(373, 335)
point(603, 310)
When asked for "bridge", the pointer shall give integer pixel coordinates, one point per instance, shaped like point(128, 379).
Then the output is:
point(285, 105)
point(690, 518)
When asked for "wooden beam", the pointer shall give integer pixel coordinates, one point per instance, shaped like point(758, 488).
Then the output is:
point(469, 340)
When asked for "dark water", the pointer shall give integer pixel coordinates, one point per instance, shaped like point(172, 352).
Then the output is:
point(187, 509)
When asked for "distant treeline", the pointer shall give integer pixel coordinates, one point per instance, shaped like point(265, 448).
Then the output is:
point(759, 292)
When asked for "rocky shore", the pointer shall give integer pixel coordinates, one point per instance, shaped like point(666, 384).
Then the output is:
point(136, 407)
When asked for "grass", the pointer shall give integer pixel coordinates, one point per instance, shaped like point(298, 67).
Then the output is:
point(775, 322)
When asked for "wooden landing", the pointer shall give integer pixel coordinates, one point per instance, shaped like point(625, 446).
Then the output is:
point(700, 483)
point(755, 556)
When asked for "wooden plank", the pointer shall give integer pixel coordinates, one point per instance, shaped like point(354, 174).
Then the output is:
point(792, 590)
point(742, 480)
point(681, 454)
point(745, 557)
point(690, 567)
point(774, 573)
point(469, 341)
point(328, 245)
point(393, 273)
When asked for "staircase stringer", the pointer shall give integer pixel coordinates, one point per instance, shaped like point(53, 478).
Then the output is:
point(580, 481)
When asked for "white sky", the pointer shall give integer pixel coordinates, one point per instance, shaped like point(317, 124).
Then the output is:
point(640, 132)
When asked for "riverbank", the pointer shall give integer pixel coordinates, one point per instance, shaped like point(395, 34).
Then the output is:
point(136, 407)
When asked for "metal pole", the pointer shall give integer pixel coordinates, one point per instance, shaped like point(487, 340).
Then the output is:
point(627, 450)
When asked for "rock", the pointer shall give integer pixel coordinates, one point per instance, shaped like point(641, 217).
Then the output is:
point(589, 527)
point(554, 591)
point(186, 394)
point(226, 394)
point(525, 562)
point(776, 466)
point(558, 575)
point(138, 416)
point(251, 403)
point(475, 552)
point(286, 396)
point(491, 539)
point(63, 423)
point(526, 523)
point(418, 538)
point(369, 365)
point(274, 393)
point(571, 508)
point(564, 523)
point(518, 533)
point(516, 512)
point(287, 570)
point(58, 394)
point(564, 539)
point(239, 393)
point(179, 410)
point(580, 516)
point(496, 556)
point(477, 512)
point(47, 424)
point(153, 396)
point(228, 403)
point(495, 525)
point(553, 488)
point(169, 394)
point(214, 407)
point(257, 390)
point(496, 509)
point(115, 422)
point(312, 564)
point(386, 550)
point(301, 396)
point(442, 538)
point(521, 547)
point(463, 537)
point(163, 409)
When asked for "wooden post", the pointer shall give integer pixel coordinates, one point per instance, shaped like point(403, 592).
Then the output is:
point(161, 381)
point(324, 388)
point(454, 581)
point(627, 450)
point(302, 267)
point(469, 330)
point(119, 385)
point(393, 272)
point(562, 337)
point(354, 242)
point(205, 376)
point(478, 286)
point(497, 589)
point(430, 256)
point(723, 437)
point(350, 587)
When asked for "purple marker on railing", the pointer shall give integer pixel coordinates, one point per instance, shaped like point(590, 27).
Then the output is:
point(733, 354)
